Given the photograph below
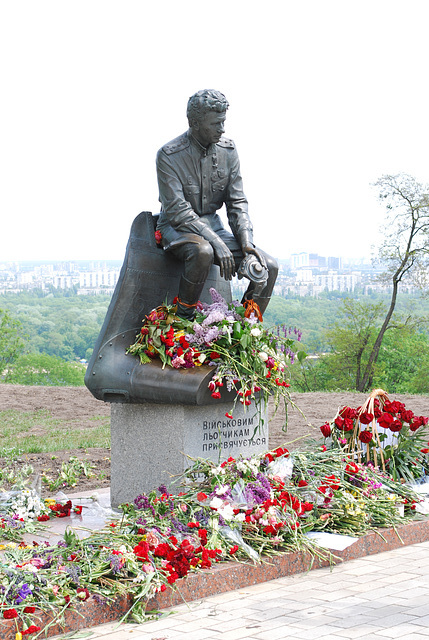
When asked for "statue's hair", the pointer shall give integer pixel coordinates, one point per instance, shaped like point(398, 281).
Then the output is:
point(202, 102)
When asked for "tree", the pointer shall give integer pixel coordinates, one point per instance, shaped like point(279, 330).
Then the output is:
point(43, 369)
point(404, 250)
point(12, 340)
point(351, 339)
point(403, 363)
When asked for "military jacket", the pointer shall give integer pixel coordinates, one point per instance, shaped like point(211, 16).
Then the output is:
point(194, 183)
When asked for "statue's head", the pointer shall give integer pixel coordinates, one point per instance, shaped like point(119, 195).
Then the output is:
point(204, 102)
point(206, 115)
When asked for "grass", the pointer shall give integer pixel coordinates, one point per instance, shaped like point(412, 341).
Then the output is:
point(38, 432)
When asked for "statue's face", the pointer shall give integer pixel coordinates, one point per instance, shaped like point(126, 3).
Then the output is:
point(210, 128)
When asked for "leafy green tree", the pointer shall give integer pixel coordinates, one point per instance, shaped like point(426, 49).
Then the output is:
point(404, 362)
point(351, 339)
point(12, 339)
point(43, 369)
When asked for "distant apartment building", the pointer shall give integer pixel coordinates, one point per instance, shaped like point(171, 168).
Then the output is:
point(103, 280)
point(334, 281)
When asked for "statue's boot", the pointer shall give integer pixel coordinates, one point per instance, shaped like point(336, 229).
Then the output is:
point(149, 277)
point(189, 294)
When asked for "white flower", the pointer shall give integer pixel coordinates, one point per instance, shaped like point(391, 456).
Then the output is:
point(227, 512)
point(240, 517)
point(255, 332)
point(220, 491)
point(263, 356)
point(216, 503)
point(218, 471)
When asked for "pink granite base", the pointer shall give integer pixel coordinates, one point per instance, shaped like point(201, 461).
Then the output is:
point(227, 576)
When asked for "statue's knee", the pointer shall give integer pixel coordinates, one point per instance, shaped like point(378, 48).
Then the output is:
point(203, 254)
point(272, 265)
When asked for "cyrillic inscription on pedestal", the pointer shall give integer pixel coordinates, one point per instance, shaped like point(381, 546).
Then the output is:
point(151, 442)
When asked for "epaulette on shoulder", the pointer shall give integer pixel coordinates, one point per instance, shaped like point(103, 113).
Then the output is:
point(176, 145)
point(227, 143)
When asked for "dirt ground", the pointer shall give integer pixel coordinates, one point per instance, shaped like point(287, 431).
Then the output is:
point(76, 403)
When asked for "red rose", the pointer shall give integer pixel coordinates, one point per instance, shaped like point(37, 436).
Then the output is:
point(366, 418)
point(216, 395)
point(407, 416)
point(348, 412)
point(395, 426)
point(339, 421)
point(365, 436)
point(326, 430)
point(385, 420)
point(201, 496)
point(394, 407)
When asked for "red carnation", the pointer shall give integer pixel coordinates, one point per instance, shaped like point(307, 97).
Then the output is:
point(352, 467)
point(32, 629)
point(29, 609)
point(9, 614)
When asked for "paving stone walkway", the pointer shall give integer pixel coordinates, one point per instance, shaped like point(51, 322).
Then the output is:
point(372, 598)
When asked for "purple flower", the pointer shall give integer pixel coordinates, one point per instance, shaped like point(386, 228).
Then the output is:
point(23, 593)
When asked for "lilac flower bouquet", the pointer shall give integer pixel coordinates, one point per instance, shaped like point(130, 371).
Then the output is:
point(247, 357)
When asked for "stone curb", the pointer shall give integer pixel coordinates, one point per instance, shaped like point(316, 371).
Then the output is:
point(227, 576)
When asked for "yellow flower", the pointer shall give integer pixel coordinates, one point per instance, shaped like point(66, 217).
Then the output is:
point(18, 636)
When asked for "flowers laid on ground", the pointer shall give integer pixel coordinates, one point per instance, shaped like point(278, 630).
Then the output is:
point(248, 358)
point(22, 511)
point(385, 432)
point(242, 509)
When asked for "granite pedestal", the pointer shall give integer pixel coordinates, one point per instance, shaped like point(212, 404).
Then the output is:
point(150, 442)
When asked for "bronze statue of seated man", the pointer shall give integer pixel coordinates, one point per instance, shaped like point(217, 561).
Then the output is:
point(198, 173)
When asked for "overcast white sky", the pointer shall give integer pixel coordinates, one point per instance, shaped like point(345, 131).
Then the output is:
point(325, 97)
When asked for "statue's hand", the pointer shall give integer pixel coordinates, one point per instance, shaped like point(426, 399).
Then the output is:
point(249, 248)
point(224, 258)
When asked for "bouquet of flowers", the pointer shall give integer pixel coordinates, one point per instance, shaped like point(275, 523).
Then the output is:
point(247, 357)
point(383, 432)
point(239, 509)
